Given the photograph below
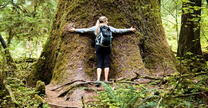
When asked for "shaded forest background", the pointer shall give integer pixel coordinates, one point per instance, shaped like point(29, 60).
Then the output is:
point(26, 25)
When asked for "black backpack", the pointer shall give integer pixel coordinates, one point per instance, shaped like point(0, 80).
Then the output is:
point(105, 36)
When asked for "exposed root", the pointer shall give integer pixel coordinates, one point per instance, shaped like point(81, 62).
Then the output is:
point(136, 77)
point(75, 85)
point(55, 88)
point(81, 83)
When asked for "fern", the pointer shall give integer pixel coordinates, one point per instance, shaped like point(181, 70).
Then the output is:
point(108, 89)
point(125, 96)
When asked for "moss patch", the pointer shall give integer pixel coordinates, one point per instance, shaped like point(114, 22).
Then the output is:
point(40, 88)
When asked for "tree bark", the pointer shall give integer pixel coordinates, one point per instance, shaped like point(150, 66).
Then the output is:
point(69, 57)
point(189, 39)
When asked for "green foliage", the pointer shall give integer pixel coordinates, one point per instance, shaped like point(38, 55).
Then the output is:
point(186, 91)
point(125, 96)
point(171, 10)
point(180, 91)
point(204, 27)
point(24, 95)
point(25, 25)
point(171, 13)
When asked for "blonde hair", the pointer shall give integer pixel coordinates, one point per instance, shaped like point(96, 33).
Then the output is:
point(103, 19)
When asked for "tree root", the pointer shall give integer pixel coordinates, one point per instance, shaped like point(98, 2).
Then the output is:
point(81, 83)
point(73, 86)
point(76, 84)
point(69, 83)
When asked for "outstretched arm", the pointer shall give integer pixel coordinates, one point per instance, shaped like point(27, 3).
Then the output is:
point(83, 30)
point(115, 30)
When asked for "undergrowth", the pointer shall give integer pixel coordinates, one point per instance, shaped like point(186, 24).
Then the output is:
point(171, 92)
point(25, 96)
point(18, 93)
point(125, 96)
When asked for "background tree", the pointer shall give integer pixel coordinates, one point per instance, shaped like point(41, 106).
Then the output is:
point(69, 57)
point(9, 59)
point(189, 39)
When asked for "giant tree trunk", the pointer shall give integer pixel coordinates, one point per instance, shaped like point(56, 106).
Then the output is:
point(189, 39)
point(69, 57)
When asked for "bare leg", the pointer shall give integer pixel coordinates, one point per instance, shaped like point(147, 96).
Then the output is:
point(99, 70)
point(106, 73)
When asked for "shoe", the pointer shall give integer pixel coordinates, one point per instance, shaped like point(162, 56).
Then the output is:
point(97, 84)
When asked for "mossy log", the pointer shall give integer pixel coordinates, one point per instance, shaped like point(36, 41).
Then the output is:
point(40, 88)
point(68, 57)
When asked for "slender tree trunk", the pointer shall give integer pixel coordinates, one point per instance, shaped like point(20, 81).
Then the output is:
point(189, 39)
point(9, 58)
point(3, 74)
point(69, 57)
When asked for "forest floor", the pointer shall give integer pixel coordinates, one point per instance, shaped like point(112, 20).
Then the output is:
point(174, 93)
point(189, 90)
